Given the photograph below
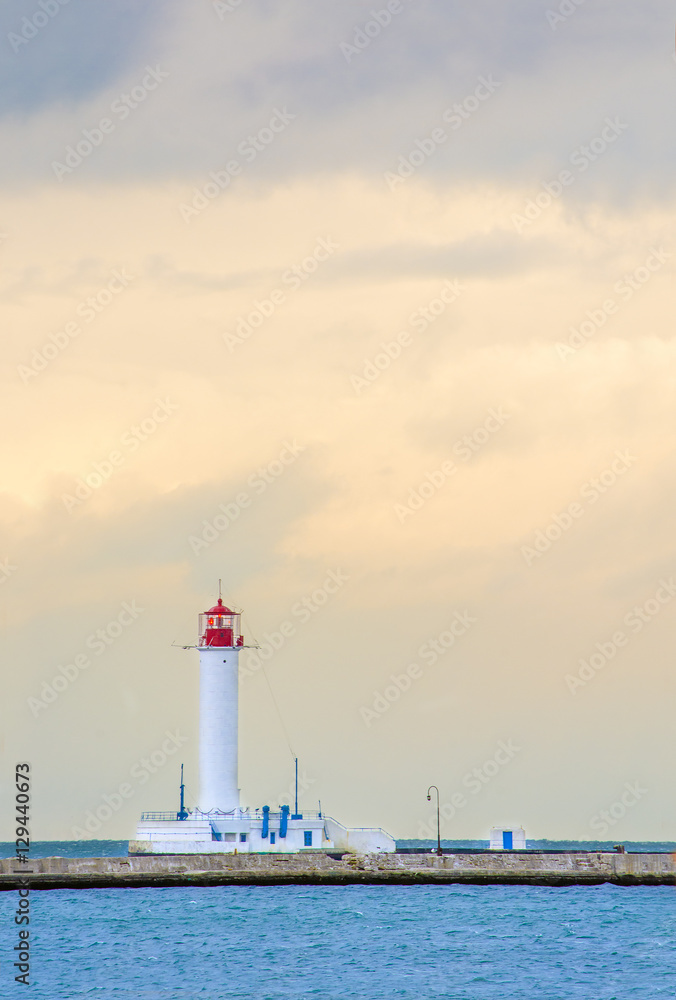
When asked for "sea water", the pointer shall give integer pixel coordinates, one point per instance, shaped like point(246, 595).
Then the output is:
point(338, 942)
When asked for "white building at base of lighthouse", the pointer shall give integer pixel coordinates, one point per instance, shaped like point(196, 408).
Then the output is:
point(244, 833)
point(220, 825)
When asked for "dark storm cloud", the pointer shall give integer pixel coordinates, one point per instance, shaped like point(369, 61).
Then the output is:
point(516, 92)
point(68, 50)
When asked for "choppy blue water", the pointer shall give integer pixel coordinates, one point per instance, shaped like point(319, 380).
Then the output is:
point(340, 942)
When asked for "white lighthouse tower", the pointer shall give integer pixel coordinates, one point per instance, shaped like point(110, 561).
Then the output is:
point(218, 824)
point(220, 642)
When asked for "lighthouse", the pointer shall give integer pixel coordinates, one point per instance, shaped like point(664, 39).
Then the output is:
point(220, 643)
point(217, 823)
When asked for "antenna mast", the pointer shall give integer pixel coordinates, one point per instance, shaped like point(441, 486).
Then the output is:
point(296, 814)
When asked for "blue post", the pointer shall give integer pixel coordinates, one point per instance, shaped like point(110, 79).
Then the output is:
point(266, 822)
point(283, 823)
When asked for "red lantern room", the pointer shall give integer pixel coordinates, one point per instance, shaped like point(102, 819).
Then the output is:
point(219, 626)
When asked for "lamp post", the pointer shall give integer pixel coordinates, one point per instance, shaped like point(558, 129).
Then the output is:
point(429, 799)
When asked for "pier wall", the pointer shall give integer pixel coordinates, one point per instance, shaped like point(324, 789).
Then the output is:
point(321, 868)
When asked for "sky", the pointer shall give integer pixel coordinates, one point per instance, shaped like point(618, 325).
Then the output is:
point(366, 310)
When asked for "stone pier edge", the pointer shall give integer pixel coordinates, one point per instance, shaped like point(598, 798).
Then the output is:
point(532, 868)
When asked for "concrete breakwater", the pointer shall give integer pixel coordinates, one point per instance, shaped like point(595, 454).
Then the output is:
point(318, 868)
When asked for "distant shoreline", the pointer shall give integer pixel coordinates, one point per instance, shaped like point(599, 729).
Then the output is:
point(119, 848)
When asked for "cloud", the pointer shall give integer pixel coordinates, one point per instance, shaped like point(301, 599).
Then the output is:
point(553, 92)
point(361, 362)
point(58, 53)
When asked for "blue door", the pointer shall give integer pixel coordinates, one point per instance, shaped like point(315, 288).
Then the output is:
point(507, 840)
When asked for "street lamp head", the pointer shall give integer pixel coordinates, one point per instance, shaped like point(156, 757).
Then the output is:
point(429, 798)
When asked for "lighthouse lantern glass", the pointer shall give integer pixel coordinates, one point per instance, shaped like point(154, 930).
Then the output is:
point(219, 626)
